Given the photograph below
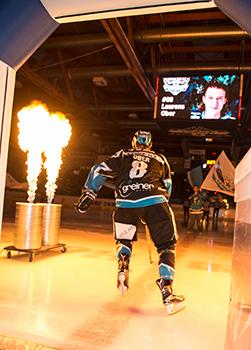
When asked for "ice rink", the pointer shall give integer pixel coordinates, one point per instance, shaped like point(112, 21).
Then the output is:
point(70, 301)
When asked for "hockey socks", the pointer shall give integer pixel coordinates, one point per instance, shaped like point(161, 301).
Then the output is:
point(123, 256)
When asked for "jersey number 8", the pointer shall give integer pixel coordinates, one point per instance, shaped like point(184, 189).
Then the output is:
point(138, 169)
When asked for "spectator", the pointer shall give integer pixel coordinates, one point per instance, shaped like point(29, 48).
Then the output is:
point(206, 210)
point(196, 212)
point(186, 206)
point(217, 205)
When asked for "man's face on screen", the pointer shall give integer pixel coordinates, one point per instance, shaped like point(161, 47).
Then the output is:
point(214, 100)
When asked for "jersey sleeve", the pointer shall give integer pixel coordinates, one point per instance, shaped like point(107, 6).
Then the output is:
point(167, 177)
point(101, 171)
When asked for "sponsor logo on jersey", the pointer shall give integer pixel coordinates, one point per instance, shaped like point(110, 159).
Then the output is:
point(125, 190)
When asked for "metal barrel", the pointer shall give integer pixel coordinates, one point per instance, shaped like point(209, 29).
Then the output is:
point(51, 224)
point(28, 223)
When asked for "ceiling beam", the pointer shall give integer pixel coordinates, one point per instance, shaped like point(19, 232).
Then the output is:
point(66, 77)
point(188, 16)
point(184, 33)
point(130, 32)
point(120, 107)
point(43, 84)
point(205, 48)
point(53, 92)
point(121, 71)
point(126, 51)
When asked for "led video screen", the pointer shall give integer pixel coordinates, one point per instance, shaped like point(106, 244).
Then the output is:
point(194, 97)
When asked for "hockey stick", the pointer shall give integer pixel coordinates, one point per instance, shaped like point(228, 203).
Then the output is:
point(148, 238)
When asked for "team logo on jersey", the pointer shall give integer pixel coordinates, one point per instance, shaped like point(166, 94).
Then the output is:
point(126, 190)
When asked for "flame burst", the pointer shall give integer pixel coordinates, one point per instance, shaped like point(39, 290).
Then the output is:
point(61, 127)
point(32, 128)
point(41, 132)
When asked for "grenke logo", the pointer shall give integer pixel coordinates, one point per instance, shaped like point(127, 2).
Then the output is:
point(125, 190)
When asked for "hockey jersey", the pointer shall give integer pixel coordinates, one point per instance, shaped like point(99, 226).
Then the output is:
point(141, 177)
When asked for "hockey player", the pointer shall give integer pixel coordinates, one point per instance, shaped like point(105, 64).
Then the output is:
point(143, 185)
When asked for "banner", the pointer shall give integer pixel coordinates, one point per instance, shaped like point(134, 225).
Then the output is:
point(221, 176)
point(195, 177)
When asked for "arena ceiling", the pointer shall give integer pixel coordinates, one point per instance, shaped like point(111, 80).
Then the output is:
point(102, 75)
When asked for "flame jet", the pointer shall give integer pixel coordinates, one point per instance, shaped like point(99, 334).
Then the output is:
point(32, 124)
point(41, 132)
point(58, 136)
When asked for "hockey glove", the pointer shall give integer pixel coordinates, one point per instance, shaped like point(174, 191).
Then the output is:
point(85, 200)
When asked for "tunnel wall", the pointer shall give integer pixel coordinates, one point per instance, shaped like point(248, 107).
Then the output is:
point(239, 316)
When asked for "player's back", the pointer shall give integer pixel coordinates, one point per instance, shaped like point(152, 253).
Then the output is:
point(141, 173)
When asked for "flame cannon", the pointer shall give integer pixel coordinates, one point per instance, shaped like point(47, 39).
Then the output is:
point(42, 135)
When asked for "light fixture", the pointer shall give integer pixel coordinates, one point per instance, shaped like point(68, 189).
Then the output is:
point(133, 115)
point(99, 81)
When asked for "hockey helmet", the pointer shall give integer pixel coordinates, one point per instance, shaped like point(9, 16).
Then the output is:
point(142, 139)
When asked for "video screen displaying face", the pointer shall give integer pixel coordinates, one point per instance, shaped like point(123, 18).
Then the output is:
point(211, 97)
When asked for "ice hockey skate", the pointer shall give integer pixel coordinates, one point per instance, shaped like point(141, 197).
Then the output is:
point(123, 274)
point(173, 303)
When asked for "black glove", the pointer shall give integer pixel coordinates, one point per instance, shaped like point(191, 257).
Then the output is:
point(85, 200)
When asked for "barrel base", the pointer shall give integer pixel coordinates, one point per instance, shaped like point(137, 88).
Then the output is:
point(32, 252)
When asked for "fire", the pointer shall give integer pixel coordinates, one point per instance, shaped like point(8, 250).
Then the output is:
point(32, 128)
point(41, 132)
point(61, 128)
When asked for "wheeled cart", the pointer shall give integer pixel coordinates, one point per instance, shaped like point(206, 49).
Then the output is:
point(32, 252)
